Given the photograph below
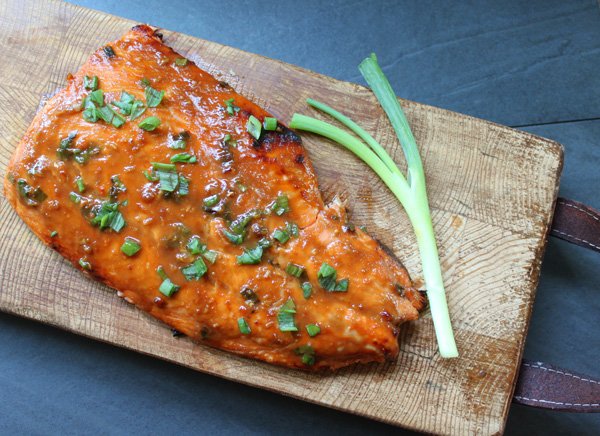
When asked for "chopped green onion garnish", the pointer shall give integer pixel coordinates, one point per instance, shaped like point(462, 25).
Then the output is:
point(327, 276)
point(195, 246)
point(90, 83)
point(243, 326)
point(79, 183)
point(107, 215)
point(85, 264)
point(234, 238)
point(53, 233)
point(254, 127)
point(153, 96)
point(137, 109)
point(270, 123)
point(308, 354)
point(181, 62)
point(294, 270)
point(97, 97)
point(313, 330)
point(184, 186)
point(210, 255)
point(168, 288)
point(163, 166)
point(231, 107)
point(161, 272)
point(280, 205)
point(211, 200)
point(149, 124)
point(183, 158)
point(195, 271)
point(412, 194)
point(281, 235)
point(251, 256)
point(131, 246)
point(75, 197)
point(285, 317)
point(306, 290)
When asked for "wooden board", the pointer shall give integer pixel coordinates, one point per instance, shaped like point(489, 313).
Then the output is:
point(492, 191)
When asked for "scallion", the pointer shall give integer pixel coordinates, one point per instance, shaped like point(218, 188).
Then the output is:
point(254, 127)
point(412, 194)
point(313, 330)
point(153, 96)
point(286, 317)
point(306, 290)
point(195, 271)
point(294, 269)
point(149, 124)
point(251, 256)
point(130, 246)
point(270, 123)
point(243, 326)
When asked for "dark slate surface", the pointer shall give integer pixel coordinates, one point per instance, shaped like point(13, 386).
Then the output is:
point(514, 62)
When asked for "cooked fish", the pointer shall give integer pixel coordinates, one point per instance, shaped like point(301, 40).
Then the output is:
point(203, 210)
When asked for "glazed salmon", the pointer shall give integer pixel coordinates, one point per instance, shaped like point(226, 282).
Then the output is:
point(203, 210)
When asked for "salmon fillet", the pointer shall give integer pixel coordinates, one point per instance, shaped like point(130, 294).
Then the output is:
point(201, 209)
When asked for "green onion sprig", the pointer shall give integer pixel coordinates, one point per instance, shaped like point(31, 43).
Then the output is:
point(411, 193)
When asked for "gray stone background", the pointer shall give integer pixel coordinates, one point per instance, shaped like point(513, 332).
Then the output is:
point(533, 65)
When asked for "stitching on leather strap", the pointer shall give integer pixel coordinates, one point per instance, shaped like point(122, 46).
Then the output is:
point(518, 397)
point(562, 373)
point(583, 241)
point(579, 208)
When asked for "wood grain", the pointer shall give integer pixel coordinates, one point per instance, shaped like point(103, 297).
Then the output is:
point(492, 191)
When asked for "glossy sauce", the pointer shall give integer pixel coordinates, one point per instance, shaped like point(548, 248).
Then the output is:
point(358, 325)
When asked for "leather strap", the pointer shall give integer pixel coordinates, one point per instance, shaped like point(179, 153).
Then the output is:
point(548, 387)
point(577, 223)
point(545, 386)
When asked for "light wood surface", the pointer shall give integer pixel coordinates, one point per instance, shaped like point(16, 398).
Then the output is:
point(492, 191)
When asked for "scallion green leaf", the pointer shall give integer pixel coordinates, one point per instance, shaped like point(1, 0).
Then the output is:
point(149, 124)
point(153, 96)
point(234, 238)
point(195, 271)
point(168, 288)
point(130, 246)
point(231, 107)
point(280, 205)
point(286, 317)
point(210, 255)
point(313, 330)
point(210, 201)
point(294, 269)
point(181, 62)
point(251, 256)
point(254, 127)
point(53, 233)
point(281, 235)
point(243, 326)
point(80, 184)
point(327, 276)
point(195, 246)
point(306, 290)
point(270, 123)
point(183, 158)
point(308, 354)
point(90, 83)
point(83, 263)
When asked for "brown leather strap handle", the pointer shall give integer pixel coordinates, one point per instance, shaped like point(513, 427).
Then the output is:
point(576, 223)
point(546, 386)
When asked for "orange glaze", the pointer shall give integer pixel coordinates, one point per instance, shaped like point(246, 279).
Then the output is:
point(359, 325)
